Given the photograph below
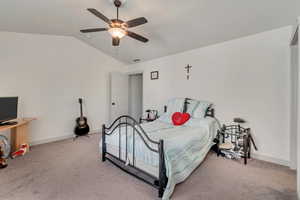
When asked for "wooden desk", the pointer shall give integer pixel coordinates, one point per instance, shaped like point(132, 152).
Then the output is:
point(19, 132)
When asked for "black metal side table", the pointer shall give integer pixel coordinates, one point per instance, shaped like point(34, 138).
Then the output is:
point(148, 118)
point(241, 139)
point(142, 120)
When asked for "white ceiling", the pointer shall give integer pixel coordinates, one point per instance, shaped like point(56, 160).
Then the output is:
point(174, 25)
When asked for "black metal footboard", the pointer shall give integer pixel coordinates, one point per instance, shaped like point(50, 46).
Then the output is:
point(121, 123)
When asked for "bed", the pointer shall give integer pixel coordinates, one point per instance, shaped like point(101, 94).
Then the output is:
point(158, 152)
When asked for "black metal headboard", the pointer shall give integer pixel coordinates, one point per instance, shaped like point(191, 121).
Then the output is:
point(210, 112)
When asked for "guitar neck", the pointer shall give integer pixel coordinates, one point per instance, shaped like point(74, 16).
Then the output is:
point(81, 114)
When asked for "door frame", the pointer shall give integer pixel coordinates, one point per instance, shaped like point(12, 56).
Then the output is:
point(133, 72)
point(109, 116)
point(129, 98)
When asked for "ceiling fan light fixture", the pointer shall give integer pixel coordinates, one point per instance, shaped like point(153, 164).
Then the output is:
point(117, 32)
point(117, 28)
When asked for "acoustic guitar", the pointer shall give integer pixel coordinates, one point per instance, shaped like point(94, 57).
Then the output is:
point(82, 128)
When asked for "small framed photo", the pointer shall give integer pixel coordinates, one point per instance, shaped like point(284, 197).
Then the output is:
point(154, 75)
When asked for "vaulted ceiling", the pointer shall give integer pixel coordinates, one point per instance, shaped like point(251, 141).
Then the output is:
point(174, 25)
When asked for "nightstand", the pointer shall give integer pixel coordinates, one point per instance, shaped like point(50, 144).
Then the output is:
point(241, 140)
point(151, 116)
point(142, 120)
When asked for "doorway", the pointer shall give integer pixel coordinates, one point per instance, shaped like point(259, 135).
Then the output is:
point(135, 96)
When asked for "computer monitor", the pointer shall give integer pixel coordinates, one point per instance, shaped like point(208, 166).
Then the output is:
point(8, 109)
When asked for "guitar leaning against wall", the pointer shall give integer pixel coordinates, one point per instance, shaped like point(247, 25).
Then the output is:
point(82, 128)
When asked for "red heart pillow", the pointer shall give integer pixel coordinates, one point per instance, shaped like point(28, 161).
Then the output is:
point(179, 118)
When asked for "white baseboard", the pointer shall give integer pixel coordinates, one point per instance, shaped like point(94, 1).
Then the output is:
point(49, 140)
point(55, 139)
point(271, 159)
point(256, 156)
point(293, 166)
point(95, 131)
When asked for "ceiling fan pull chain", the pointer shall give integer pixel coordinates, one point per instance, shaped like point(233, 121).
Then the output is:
point(117, 13)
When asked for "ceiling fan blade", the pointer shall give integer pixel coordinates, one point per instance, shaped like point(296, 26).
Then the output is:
point(93, 30)
point(116, 41)
point(136, 22)
point(100, 15)
point(137, 37)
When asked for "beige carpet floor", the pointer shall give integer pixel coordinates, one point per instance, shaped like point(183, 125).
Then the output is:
point(68, 170)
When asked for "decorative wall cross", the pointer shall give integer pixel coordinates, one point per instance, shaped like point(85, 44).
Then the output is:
point(188, 67)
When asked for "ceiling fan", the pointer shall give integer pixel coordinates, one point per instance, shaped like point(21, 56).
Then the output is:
point(116, 27)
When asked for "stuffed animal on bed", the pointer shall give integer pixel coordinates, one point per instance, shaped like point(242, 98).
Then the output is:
point(179, 118)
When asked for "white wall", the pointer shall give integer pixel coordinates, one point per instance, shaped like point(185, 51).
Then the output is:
point(49, 74)
point(135, 96)
point(246, 77)
point(294, 106)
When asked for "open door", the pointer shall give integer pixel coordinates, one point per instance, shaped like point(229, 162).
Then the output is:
point(118, 95)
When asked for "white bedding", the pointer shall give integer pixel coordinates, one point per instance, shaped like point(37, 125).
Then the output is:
point(142, 153)
point(158, 130)
point(185, 147)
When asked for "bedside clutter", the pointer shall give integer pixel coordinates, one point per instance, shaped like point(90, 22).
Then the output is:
point(235, 141)
point(151, 115)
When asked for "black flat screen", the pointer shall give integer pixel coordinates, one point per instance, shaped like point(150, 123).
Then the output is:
point(8, 108)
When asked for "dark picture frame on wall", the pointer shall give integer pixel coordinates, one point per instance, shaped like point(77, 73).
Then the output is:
point(154, 75)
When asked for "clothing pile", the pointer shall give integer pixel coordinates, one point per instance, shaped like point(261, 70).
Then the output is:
point(231, 151)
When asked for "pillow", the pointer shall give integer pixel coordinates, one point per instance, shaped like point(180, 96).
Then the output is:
point(165, 118)
point(179, 118)
point(201, 109)
point(192, 106)
point(173, 105)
